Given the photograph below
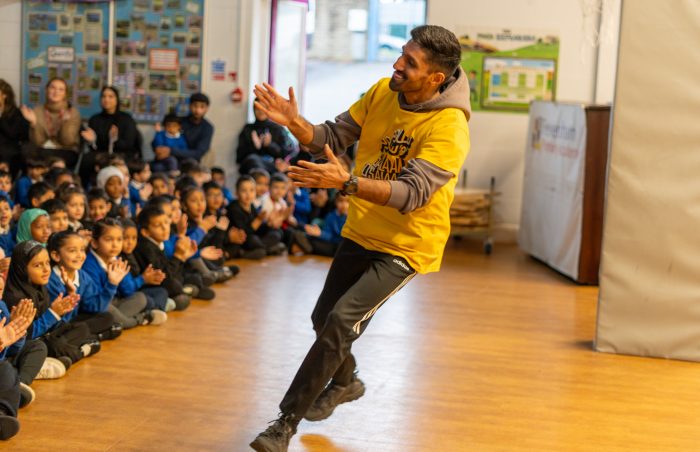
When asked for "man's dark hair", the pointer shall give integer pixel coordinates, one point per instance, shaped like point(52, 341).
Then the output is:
point(38, 189)
point(199, 97)
point(54, 205)
point(441, 45)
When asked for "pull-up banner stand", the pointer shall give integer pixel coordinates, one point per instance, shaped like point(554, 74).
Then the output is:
point(650, 275)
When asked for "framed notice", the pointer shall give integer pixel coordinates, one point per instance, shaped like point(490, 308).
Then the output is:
point(163, 60)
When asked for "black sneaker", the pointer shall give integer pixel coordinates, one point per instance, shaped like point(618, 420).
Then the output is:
point(205, 293)
point(112, 333)
point(300, 239)
point(9, 426)
point(276, 437)
point(332, 396)
point(26, 395)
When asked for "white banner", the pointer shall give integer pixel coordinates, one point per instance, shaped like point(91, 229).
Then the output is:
point(552, 208)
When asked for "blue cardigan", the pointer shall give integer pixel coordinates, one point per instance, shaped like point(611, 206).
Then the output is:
point(332, 226)
point(99, 280)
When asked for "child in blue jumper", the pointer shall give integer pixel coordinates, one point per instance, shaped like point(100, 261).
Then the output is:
point(164, 142)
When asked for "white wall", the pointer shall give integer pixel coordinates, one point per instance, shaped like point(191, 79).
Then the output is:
point(10, 41)
point(235, 31)
point(498, 139)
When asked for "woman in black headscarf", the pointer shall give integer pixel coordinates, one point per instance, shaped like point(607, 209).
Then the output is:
point(14, 129)
point(112, 124)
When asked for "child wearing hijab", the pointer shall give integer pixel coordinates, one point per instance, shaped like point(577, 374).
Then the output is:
point(27, 278)
point(111, 180)
point(34, 224)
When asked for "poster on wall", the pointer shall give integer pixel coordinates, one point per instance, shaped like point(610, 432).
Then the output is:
point(67, 40)
point(507, 69)
point(157, 55)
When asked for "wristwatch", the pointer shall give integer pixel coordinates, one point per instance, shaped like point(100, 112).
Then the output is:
point(350, 186)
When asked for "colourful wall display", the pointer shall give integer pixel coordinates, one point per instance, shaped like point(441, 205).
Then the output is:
point(67, 40)
point(509, 69)
point(157, 55)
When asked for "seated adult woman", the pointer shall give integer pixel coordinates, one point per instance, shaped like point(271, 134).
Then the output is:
point(113, 126)
point(14, 129)
point(54, 128)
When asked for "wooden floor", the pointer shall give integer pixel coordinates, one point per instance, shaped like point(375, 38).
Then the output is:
point(491, 354)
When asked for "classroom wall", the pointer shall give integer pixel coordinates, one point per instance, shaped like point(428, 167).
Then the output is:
point(234, 30)
point(498, 139)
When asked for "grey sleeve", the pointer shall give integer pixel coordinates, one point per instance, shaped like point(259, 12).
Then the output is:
point(338, 135)
point(416, 184)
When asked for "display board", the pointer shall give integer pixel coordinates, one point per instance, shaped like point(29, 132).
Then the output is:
point(157, 55)
point(508, 69)
point(67, 40)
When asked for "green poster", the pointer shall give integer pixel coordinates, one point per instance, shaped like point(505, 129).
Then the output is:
point(507, 70)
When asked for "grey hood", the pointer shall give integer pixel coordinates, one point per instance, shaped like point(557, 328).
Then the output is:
point(454, 93)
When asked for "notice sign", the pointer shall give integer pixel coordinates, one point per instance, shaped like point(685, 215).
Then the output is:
point(57, 54)
point(218, 70)
point(163, 60)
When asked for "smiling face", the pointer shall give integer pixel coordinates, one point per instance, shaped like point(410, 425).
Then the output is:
point(57, 91)
point(215, 199)
point(41, 229)
point(71, 255)
point(414, 75)
point(98, 209)
point(39, 269)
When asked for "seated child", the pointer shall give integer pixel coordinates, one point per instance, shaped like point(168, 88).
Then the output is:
point(324, 241)
point(98, 206)
point(111, 180)
point(74, 199)
point(146, 281)
point(6, 184)
point(262, 185)
point(104, 266)
point(35, 173)
point(7, 241)
point(166, 140)
point(154, 230)
point(28, 278)
point(39, 193)
point(139, 188)
point(218, 176)
point(67, 252)
point(34, 224)
point(160, 183)
point(244, 216)
point(58, 214)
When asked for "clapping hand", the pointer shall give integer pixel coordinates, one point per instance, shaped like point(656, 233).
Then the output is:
point(117, 270)
point(13, 331)
point(211, 253)
point(25, 308)
point(63, 305)
point(152, 276)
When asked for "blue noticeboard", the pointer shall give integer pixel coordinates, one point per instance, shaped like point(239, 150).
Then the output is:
point(157, 55)
point(66, 40)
